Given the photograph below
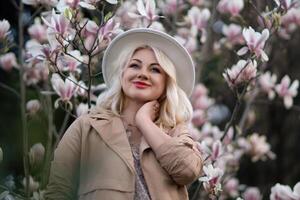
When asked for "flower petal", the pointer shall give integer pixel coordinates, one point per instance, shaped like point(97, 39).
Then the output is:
point(112, 1)
point(242, 51)
point(87, 6)
point(264, 56)
point(288, 102)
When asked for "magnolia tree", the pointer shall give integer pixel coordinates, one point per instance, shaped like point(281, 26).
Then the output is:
point(61, 62)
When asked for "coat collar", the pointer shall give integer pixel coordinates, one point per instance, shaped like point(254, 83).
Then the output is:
point(112, 131)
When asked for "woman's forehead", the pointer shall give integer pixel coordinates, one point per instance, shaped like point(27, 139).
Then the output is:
point(145, 54)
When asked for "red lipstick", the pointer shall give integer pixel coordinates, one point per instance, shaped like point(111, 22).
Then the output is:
point(140, 84)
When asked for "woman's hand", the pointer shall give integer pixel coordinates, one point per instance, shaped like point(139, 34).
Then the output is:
point(149, 111)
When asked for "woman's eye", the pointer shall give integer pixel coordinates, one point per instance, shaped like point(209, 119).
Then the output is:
point(155, 69)
point(133, 66)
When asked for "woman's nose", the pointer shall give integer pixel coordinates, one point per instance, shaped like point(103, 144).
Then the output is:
point(143, 74)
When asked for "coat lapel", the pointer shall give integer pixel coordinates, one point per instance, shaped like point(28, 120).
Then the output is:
point(113, 134)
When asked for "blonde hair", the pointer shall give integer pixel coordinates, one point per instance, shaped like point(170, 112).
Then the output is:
point(175, 106)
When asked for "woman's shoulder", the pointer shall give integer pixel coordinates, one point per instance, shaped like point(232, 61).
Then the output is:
point(86, 118)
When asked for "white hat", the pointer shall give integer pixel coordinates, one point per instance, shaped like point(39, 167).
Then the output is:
point(185, 71)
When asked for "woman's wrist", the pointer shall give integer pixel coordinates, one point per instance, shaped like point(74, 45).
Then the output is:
point(141, 121)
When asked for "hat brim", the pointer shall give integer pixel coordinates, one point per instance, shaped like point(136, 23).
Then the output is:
point(185, 70)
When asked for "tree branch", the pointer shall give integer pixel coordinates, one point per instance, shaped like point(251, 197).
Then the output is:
point(8, 88)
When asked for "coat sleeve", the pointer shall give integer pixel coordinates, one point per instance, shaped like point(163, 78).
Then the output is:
point(64, 170)
point(178, 157)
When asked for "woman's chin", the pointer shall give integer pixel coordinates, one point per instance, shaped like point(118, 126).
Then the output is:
point(142, 98)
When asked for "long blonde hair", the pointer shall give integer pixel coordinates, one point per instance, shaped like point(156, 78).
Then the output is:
point(175, 106)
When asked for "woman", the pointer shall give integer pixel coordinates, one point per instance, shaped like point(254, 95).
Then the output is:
point(135, 145)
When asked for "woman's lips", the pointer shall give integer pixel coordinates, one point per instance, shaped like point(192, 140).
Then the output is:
point(140, 85)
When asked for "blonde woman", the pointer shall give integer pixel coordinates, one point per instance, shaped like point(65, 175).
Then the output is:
point(135, 145)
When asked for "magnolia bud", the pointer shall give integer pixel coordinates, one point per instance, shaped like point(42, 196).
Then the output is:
point(36, 155)
point(8, 61)
point(33, 106)
point(4, 28)
point(33, 185)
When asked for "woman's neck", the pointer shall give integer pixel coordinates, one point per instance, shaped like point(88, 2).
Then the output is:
point(129, 111)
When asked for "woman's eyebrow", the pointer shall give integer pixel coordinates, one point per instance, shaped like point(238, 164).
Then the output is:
point(142, 62)
point(137, 60)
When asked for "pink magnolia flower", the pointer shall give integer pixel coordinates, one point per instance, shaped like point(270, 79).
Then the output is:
point(233, 33)
point(170, 7)
point(4, 28)
point(65, 89)
point(199, 91)
point(109, 29)
point(203, 147)
point(82, 89)
point(203, 103)
point(289, 22)
point(291, 17)
point(38, 31)
point(35, 72)
point(146, 10)
point(296, 191)
point(196, 2)
point(104, 32)
point(187, 38)
point(255, 43)
point(217, 150)
point(231, 187)
point(244, 144)
point(123, 15)
point(209, 130)
point(59, 30)
point(8, 61)
point(243, 71)
point(89, 33)
point(232, 7)
point(267, 83)
point(36, 51)
point(228, 137)
point(40, 2)
point(64, 4)
point(212, 178)
point(70, 62)
point(59, 24)
point(281, 192)
point(32, 106)
point(287, 91)
point(198, 19)
point(259, 147)
point(252, 193)
point(199, 98)
point(199, 117)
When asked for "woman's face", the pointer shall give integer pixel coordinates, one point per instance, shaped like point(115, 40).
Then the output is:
point(143, 79)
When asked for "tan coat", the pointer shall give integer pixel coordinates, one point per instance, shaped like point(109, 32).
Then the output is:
point(94, 162)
